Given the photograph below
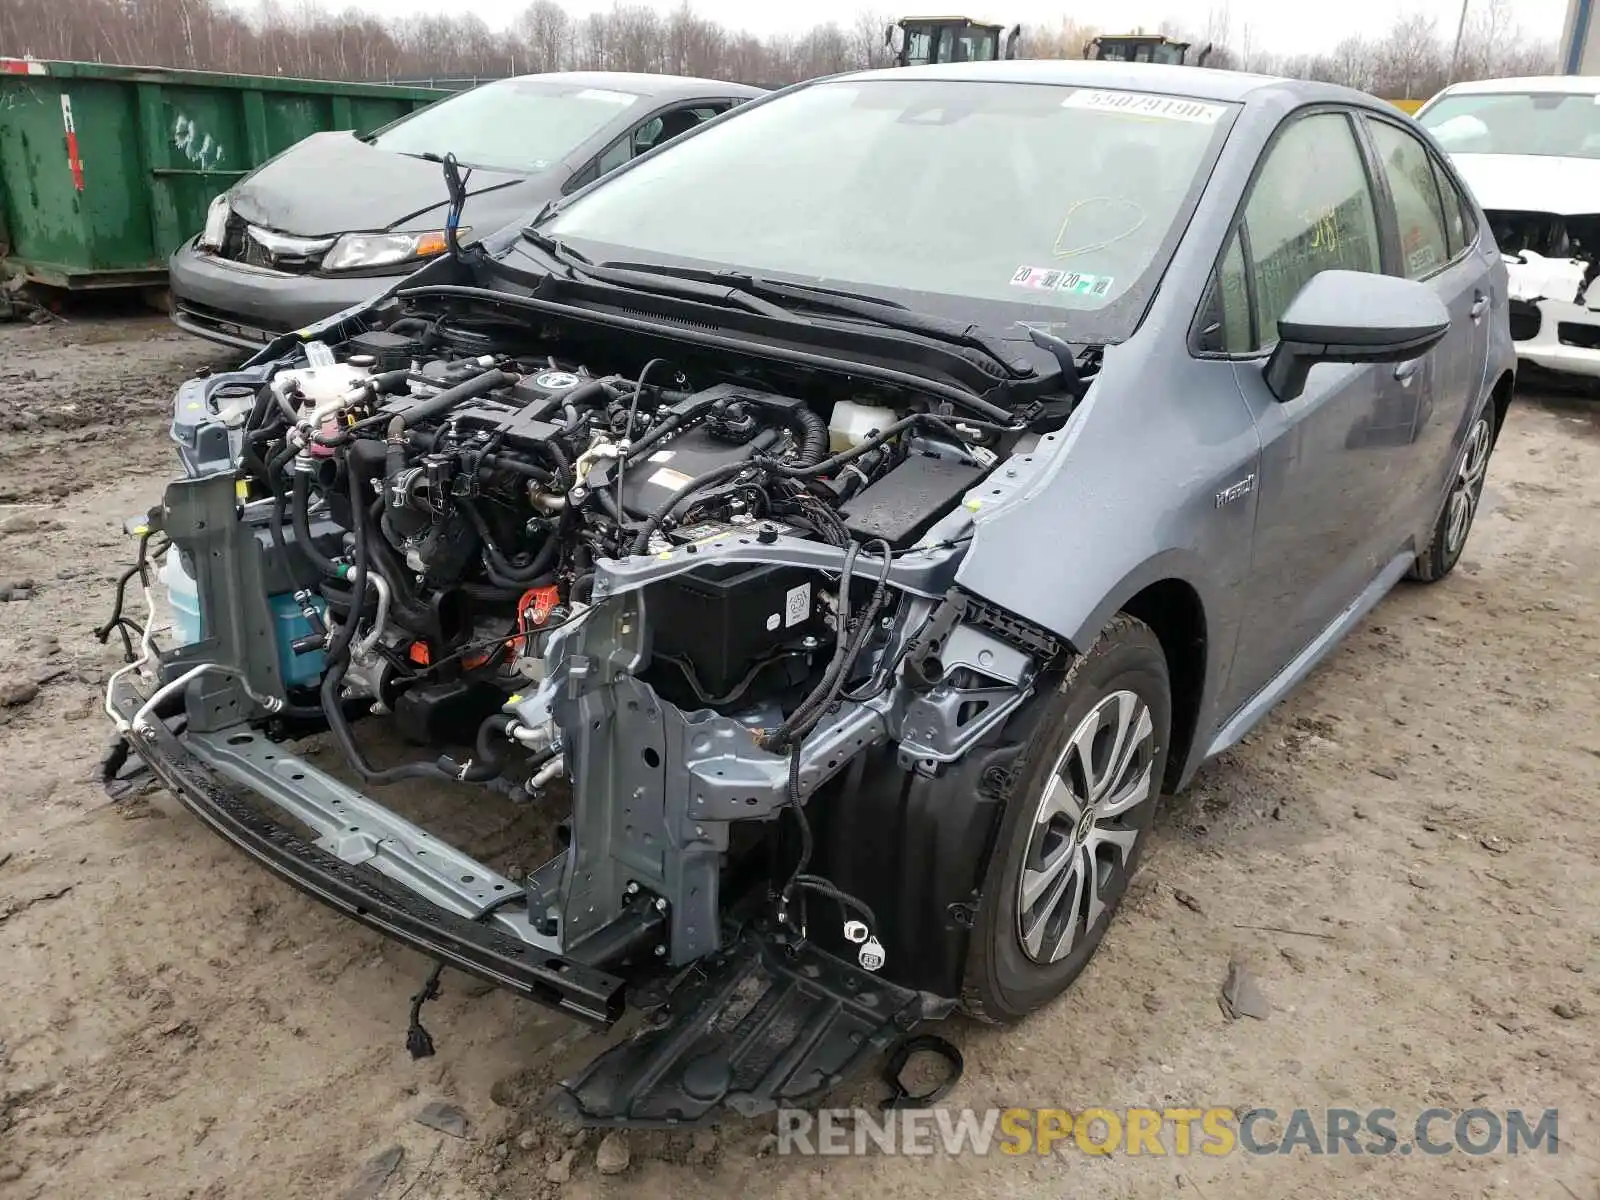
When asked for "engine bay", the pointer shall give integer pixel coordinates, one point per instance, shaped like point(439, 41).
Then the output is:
point(451, 509)
point(696, 601)
point(1552, 257)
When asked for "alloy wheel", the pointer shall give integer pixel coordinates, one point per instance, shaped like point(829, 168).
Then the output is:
point(1084, 828)
point(1468, 487)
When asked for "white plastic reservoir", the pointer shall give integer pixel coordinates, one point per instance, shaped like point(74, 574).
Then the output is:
point(183, 597)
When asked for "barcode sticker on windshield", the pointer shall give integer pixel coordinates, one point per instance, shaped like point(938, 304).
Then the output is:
point(1141, 104)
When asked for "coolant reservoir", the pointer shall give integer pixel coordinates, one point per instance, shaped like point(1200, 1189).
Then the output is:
point(851, 423)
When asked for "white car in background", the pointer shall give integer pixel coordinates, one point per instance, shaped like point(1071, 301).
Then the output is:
point(1530, 149)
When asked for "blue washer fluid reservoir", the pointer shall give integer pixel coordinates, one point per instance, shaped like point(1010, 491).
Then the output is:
point(182, 598)
point(289, 624)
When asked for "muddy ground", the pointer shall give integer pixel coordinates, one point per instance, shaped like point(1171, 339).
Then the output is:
point(1416, 824)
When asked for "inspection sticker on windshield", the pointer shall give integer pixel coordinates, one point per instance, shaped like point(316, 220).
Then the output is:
point(1040, 279)
point(1053, 279)
point(1079, 284)
point(1140, 104)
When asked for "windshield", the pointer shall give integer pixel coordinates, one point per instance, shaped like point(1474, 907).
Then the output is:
point(520, 125)
point(1543, 123)
point(1063, 199)
point(949, 42)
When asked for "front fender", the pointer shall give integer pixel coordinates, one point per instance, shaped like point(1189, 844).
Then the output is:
point(1129, 493)
point(1152, 479)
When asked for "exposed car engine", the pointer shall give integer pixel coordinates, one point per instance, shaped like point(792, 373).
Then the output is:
point(705, 602)
point(452, 510)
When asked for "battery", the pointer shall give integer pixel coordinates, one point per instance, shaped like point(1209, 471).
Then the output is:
point(724, 618)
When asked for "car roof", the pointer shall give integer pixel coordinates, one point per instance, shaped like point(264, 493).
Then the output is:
point(640, 83)
point(1577, 85)
point(1200, 83)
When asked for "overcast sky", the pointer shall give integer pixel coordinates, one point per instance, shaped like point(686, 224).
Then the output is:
point(1288, 27)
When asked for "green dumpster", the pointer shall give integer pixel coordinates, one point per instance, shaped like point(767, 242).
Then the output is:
point(104, 170)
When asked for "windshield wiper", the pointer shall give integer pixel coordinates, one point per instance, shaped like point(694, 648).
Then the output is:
point(888, 313)
point(624, 276)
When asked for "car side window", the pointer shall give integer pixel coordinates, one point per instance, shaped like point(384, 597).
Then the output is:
point(614, 155)
point(1419, 212)
point(653, 132)
point(1310, 210)
point(1225, 322)
point(1458, 223)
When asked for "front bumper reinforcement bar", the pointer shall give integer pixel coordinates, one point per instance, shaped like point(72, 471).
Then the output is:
point(364, 894)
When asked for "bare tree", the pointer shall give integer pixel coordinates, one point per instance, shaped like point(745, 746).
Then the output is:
point(545, 31)
point(1411, 59)
point(870, 45)
point(300, 37)
point(1068, 39)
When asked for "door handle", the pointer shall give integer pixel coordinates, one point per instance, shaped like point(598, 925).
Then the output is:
point(1480, 305)
point(1406, 370)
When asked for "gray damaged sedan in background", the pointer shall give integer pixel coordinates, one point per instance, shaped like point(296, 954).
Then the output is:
point(848, 523)
point(332, 220)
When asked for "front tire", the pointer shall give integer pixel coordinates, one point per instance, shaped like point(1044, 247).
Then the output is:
point(1078, 813)
point(1443, 551)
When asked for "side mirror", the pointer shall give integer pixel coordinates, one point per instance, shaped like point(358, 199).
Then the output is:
point(1352, 317)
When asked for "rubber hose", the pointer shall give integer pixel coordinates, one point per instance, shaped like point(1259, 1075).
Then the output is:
point(813, 432)
point(488, 758)
point(405, 607)
point(478, 385)
point(501, 570)
point(584, 393)
point(339, 726)
point(339, 648)
point(426, 440)
point(279, 505)
point(299, 514)
point(339, 662)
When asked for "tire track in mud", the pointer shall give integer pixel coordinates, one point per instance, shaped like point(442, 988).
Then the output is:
point(77, 396)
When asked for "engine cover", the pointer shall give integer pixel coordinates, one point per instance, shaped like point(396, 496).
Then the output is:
point(651, 482)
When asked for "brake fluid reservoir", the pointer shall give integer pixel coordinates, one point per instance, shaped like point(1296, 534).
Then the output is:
point(852, 423)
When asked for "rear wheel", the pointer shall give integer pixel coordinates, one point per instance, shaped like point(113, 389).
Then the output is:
point(1077, 815)
point(1444, 548)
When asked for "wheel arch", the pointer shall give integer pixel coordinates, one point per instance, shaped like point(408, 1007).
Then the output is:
point(1175, 613)
point(1500, 395)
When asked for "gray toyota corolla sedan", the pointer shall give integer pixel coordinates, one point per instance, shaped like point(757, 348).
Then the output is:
point(847, 523)
point(335, 217)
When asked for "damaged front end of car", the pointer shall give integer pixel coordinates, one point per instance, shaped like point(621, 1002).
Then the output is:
point(707, 587)
point(1552, 261)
